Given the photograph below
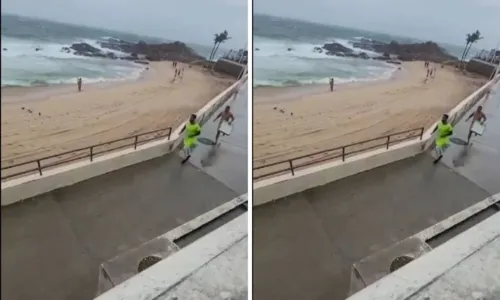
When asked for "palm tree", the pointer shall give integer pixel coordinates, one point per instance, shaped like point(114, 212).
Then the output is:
point(476, 36)
point(218, 39)
point(468, 39)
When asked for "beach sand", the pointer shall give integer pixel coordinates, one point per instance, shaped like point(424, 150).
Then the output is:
point(101, 112)
point(354, 112)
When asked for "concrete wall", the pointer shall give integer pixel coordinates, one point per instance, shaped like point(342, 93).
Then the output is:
point(229, 67)
point(285, 185)
point(480, 67)
point(33, 185)
point(212, 267)
point(465, 267)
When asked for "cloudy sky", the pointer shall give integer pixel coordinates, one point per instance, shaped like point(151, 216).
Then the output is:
point(193, 21)
point(440, 20)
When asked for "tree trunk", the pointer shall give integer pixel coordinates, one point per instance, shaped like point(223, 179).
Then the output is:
point(212, 53)
point(463, 53)
point(215, 51)
point(467, 52)
point(465, 56)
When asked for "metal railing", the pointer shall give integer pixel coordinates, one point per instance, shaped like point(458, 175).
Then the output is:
point(91, 152)
point(341, 152)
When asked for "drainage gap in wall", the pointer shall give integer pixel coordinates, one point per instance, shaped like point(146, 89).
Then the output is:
point(192, 236)
point(147, 262)
point(400, 262)
point(462, 226)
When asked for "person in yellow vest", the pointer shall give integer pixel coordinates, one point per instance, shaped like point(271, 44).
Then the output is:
point(444, 132)
point(192, 131)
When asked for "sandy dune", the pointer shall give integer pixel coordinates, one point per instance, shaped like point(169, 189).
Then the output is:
point(63, 119)
point(323, 120)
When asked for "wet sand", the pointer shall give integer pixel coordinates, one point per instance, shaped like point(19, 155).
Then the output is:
point(296, 121)
point(63, 119)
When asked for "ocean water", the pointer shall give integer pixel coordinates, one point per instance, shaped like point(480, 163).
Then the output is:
point(274, 65)
point(23, 66)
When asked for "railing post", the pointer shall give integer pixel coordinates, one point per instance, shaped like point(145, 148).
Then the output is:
point(291, 167)
point(388, 141)
point(343, 153)
point(135, 142)
point(92, 153)
point(39, 167)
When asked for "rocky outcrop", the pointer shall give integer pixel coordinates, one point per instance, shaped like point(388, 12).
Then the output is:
point(154, 52)
point(341, 50)
point(336, 48)
point(136, 51)
point(390, 52)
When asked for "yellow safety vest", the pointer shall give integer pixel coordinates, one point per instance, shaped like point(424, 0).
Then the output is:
point(443, 137)
point(191, 130)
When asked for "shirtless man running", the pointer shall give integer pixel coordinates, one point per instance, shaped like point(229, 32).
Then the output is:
point(476, 116)
point(225, 116)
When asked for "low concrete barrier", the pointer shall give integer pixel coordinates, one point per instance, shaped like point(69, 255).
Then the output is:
point(282, 186)
point(26, 187)
point(278, 187)
point(162, 280)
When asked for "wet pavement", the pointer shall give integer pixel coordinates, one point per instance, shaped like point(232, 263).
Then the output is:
point(305, 244)
point(53, 244)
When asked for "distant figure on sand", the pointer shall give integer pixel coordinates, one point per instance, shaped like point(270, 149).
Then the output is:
point(192, 131)
point(225, 116)
point(444, 133)
point(79, 84)
point(476, 116)
point(332, 83)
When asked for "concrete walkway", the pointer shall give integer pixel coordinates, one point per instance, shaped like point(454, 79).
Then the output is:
point(305, 245)
point(52, 245)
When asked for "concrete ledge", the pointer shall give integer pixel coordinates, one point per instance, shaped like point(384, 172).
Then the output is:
point(164, 276)
point(410, 280)
point(282, 186)
point(124, 266)
point(30, 186)
point(376, 266)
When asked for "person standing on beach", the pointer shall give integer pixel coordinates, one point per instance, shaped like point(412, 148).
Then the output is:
point(331, 84)
point(79, 84)
point(444, 132)
point(192, 131)
point(476, 116)
point(225, 116)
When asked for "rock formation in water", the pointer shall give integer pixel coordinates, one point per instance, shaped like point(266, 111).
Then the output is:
point(390, 52)
point(138, 52)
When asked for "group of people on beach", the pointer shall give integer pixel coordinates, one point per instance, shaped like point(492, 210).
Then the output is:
point(431, 70)
point(178, 71)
